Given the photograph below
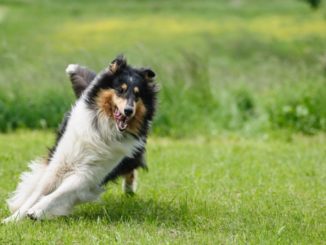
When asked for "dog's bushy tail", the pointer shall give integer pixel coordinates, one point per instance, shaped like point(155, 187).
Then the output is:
point(28, 182)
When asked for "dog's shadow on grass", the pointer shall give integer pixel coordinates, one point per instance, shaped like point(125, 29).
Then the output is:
point(138, 209)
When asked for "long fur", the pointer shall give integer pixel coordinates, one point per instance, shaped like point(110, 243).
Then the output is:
point(80, 78)
point(89, 147)
point(28, 182)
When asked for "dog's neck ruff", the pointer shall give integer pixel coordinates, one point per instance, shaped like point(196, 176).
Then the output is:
point(84, 144)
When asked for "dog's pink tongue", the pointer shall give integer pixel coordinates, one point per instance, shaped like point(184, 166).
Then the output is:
point(118, 115)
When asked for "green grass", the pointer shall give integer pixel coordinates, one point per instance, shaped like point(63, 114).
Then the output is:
point(230, 189)
point(236, 65)
point(239, 80)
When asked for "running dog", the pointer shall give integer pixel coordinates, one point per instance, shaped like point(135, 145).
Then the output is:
point(101, 138)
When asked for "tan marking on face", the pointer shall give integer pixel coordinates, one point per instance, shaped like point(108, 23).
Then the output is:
point(124, 86)
point(119, 102)
point(105, 101)
point(137, 120)
point(136, 90)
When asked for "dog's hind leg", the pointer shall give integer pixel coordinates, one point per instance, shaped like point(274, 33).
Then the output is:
point(28, 182)
point(46, 184)
point(129, 184)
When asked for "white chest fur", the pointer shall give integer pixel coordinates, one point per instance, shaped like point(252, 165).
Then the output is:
point(91, 151)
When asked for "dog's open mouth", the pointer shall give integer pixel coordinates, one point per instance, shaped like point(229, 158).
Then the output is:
point(121, 120)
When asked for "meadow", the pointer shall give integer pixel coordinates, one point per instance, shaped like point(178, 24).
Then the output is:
point(232, 189)
point(237, 151)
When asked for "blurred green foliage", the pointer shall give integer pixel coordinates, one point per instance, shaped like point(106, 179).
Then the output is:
point(221, 65)
point(302, 111)
point(314, 3)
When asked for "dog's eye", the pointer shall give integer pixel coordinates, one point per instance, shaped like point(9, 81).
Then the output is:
point(120, 90)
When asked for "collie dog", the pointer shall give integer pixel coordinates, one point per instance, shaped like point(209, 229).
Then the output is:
point(101, 138)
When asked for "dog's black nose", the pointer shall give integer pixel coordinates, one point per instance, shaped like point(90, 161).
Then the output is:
point(128, 111)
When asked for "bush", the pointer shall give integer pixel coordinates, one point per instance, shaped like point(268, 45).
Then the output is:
point(300, 109)
point(40, 109)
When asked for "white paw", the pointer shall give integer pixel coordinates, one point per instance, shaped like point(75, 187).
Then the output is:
point(7, 220)
point(129, 189)
point(36, 214)
point(13, 218)
point(72, 68)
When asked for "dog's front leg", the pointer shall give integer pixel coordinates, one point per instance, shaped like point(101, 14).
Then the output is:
point(61, 201)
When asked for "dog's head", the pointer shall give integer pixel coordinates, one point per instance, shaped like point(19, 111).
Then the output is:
point(125, 94)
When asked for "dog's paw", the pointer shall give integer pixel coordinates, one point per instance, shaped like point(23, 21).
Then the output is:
point(7, 220)
point(35, 214)
point(129, 189)
point(32, 216)
point(11, 219)
point(72, 69)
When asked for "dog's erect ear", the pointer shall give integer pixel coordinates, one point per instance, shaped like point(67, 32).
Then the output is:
point(117, 64)
point(148, 74)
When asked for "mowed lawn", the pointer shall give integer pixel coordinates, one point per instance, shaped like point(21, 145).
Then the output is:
point(231, 189)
